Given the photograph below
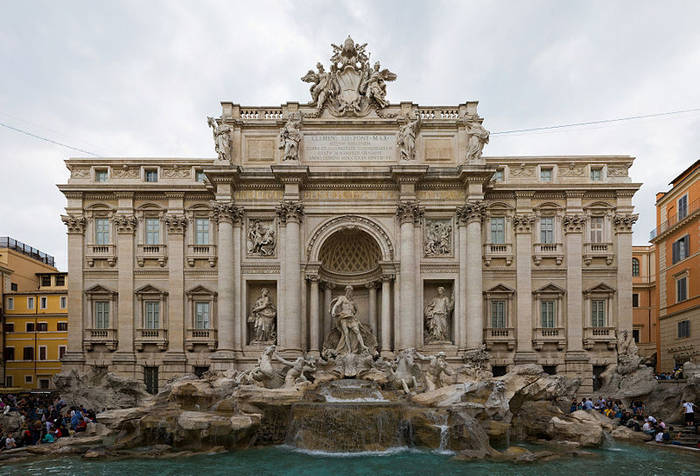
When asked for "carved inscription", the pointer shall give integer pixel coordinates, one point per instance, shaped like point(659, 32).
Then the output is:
point(349, 147)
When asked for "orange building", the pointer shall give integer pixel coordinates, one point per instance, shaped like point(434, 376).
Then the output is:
point(644, 301)
point(677, 242)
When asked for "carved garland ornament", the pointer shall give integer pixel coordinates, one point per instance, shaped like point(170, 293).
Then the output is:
point(623, 222)
point(472, 211)
point(74, 223)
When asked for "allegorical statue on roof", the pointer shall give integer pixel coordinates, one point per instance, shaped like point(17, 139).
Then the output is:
point(222, 138)
point(351, 87)
point(478, 137)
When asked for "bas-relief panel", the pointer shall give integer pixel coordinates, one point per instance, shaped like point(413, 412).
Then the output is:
point(437, 237)
point(261, 237)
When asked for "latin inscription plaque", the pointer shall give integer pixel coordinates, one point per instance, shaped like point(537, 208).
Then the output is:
point(349, 147)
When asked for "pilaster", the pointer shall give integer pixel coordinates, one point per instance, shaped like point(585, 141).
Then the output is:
point(76, 246)
point(290, 214)
point(472, 213)
point(409, 214)
point(522, 225)
point(176, 224)
point(573, 229)
point(623, 223)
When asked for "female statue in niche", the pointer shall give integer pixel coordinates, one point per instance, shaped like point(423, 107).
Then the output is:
point(263, 318)
point(437, 314)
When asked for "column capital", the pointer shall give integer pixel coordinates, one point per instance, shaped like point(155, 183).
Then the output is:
point(409, 212)
point(290, 210)
point(75, 223)
point(314, 278)
point(176, 223)
point(574, 223)
point(522, 222)
point(225, 212)
point(327, 285)
point(126, 224)
point(387, 277)
point(623, 222)
point(471, 212)
point(371, 285)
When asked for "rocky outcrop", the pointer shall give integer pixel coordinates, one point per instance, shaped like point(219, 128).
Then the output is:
point(100, 390)
point(580, 426)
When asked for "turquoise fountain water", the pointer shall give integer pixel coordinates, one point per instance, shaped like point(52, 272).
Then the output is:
point(637, 460)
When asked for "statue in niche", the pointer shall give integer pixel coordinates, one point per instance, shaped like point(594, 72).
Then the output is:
point(297, 370)
point(289, 138)
point(263, 319)
point(349, 336)
point(438, 239)
point(261, 239)
point(437, 366)
point(222, 138)
point(374, 84)
point(478, 137)
point(437, 315)
point(406, 140)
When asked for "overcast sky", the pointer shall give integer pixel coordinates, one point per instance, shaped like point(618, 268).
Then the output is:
point(137, 79)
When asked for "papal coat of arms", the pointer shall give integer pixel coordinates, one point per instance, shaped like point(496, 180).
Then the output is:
point(351, 87)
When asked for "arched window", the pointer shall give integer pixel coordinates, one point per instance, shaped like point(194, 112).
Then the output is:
point(635, 267)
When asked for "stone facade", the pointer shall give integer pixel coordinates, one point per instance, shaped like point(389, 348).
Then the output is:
point(305, 199)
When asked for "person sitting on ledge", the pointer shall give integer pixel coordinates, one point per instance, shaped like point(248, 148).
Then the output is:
point(588, 404)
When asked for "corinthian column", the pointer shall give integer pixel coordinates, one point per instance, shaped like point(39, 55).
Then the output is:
point(409, 214)
point(573, 227)
point(225, 213)
point(623, 223)
point(472, 214)
point(290, 214)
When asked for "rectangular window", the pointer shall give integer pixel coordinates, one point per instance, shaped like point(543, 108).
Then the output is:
point(547, 310)
point(201, 231)
point(100, 175)
point(635, 336)
point(151, 175)
point(596, 229)
point(201, 312)
point(498, 175)
point(547, 230)
point(61, 351)
point(28, 379)
point(680, 249)
point(46, 281)
point(546, 175)
point(683, 329)
point(62, 326)
point(199, 176)
point(150, 378)
point(152, 231)
point(596, 174)
point(498, 234)
point(29, 327)
point(681, 289)
point(498, 314)
point(42, 327)
point(9, 353)
point(152, 314)
point(43, 383)
point(9, 381)
point(635, 300)
point(10, 327)
point(64, 302)
point(42, 352)
point(101, 231)
point(682, 207)
point(102, 315)
point(10, 304)
point(597, 313)
point(30, 303)
point(43, 302)
point(28, 353)
point(60, 280)
point(13, 286)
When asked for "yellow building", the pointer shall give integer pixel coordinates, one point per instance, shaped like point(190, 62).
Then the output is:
point(34, 312)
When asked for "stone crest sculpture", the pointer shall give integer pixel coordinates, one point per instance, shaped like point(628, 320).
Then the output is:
point(478, 137)
point(406, 140)
point(290, 137)
point(261, 238)
point(438, 238)
point(263, 319)
point(222, 138)
point(437, 315)
point(351, 87)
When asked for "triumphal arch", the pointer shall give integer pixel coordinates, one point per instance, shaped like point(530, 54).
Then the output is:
point(180, 265)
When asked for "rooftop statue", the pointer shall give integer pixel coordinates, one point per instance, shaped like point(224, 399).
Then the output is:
point(351, 87)
point(222, 138)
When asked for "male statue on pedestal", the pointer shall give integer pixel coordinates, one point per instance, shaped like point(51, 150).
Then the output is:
point(345, 310)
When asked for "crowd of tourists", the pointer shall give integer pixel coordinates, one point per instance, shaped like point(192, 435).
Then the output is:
point(636, 418)
point(675, 375)
point(44, 418)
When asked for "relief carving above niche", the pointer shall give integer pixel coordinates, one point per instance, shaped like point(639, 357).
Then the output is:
point(437, 237)
point(262, 237)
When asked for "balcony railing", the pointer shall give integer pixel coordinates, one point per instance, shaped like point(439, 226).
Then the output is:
point(158, 337)
point(598, 250)
point(107, 337)
point(548, 250)
point(106, 252)
point(672, 220)
point(545, 335)
point(155, 252)
point(201, 252)
point(593, 335)
point(498, 250)
point(201, 336)
point(499, 335)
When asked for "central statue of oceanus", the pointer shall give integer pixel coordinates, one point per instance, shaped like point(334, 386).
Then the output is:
point(349, 335)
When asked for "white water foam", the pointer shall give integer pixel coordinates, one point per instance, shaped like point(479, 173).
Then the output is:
point(338, 454)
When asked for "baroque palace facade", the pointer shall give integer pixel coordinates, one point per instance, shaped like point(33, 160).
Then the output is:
point(181, 265)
